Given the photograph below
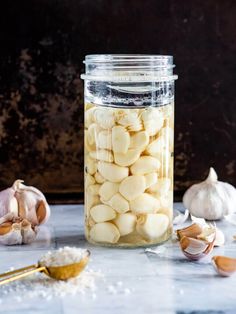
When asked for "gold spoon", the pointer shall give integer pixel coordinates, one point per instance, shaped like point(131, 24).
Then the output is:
point(56, 272)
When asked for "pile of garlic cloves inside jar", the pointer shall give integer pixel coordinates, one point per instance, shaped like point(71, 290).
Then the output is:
point(128, 174)
point(22, 209)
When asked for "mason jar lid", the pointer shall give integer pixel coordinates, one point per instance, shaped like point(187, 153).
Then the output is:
point(123, 67)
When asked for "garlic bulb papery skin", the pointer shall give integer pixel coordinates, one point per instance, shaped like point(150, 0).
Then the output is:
point(210, 199)
point(22, 209)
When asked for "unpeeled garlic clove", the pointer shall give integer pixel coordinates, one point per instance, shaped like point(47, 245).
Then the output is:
point(102, 213)
point(195, 249)
point(119, 203)
point(145, 165)
point(102, 154)
point(125, 223)
point(13, 235)
point(191, 231)
point(225, 266)
point(28, 232)
point(152, 226)
point(139, 140)
point(120, 139)
point(8, 201)
point(128, 158)
point(112, 172)
point(132, 187)
point(105, 232)
point(108, 189)
point(144, 204)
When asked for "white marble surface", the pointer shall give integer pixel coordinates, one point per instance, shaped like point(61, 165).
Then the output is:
point(167, 283)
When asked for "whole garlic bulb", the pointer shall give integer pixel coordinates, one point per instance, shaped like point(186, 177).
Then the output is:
point(210, 199)
point(22, 209)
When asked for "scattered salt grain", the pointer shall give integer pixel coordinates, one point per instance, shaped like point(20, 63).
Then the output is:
point(127, 291)
point(39, 285)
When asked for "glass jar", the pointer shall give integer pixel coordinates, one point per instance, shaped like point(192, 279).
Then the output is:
point(129, 138)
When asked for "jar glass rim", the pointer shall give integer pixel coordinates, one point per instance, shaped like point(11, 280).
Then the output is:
point(98, 58)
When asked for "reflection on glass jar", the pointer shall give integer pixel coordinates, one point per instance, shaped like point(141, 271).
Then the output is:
point(129, 135)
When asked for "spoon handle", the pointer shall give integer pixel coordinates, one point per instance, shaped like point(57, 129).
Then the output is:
point(20, 273)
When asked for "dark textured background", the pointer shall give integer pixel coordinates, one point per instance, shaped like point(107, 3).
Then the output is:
point(43, 43)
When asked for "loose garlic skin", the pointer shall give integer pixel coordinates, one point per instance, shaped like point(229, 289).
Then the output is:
point(128, 175)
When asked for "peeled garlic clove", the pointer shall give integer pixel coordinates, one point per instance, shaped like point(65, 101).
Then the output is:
point(88, 180)
point(28, 232)
point(145, 203)
point(151, 179)
point(128, 158)
point(108, 189)
point(139, 140)
point(102, 154)
point(125, 223)
point(132, 187)
point(191, 231)
point(210, 232)
point(119, 203)
point(92, 133)
point(94, 189)
point(101, 213)
point(168, 134)
point(88, 147)
point(91, 200)
point(225, 266)
point(89, 116)
point(161, 187)
point(99, 178)
point(153, 121)
point(220, 238)
point(152, 226)
point(195, 249)
point(91, 165)
point(104, 140)
point(112, 172)
point(104, 117)
point(158, 147)
point(145, 165)
point(129, 119)
point(105, 232)
point(120, 139)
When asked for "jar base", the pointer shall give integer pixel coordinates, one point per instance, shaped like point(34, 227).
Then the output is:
point(125, 245)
